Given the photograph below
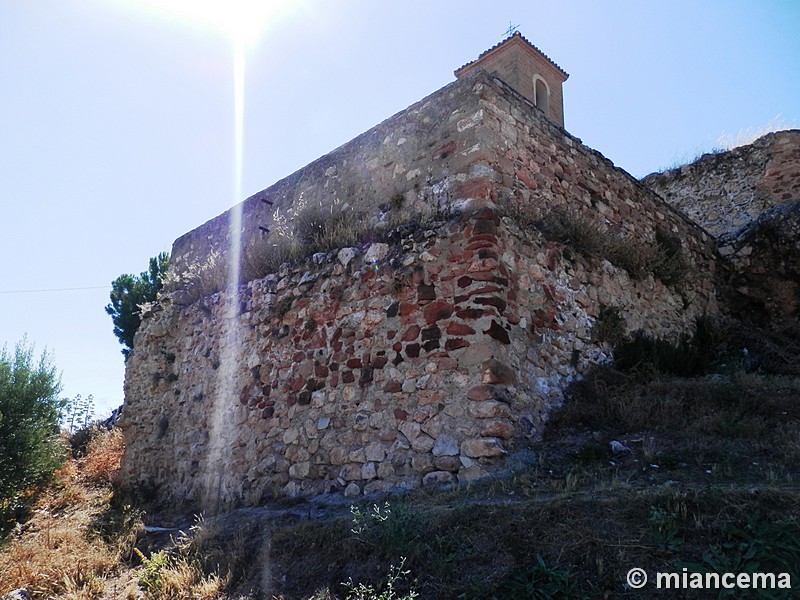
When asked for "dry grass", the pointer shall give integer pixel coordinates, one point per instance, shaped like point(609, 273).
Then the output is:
point(102, 460)
point(587, 235)
point(57, 554)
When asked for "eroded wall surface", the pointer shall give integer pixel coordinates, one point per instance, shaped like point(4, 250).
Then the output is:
point(726, 192)
point(749, 198)
point(433, 359)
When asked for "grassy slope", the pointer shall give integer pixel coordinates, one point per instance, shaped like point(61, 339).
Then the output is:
point(709, 476)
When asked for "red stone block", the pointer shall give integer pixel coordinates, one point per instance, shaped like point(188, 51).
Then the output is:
point(411, 333)
point(498, 303)
point(412, 350)
point(321, 371)
point(464, 282)
point(354, 363)
point(484, 226)
point(430, 345)
point(406, 308)
point(498, 429)
point(348, 377)
point(486, 289)
point(484, 237)
point(487, 213)
point(445, 363)
point(470, 313)
point(431, 333)
point(474, 188)
point(436, 311)
point(298, 357)
point(459, 329)
point(393, 387)
point(379, 362)
point(445, 150)
point(480, 393)
point(425, 292)
point(455, 344)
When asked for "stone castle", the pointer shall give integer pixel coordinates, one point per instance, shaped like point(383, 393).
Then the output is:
point(433, 351)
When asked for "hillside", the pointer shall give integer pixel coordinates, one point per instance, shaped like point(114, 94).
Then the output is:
point(641, 467)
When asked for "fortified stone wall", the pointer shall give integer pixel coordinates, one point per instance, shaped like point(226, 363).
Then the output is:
point(434, 359)
point(726, 192)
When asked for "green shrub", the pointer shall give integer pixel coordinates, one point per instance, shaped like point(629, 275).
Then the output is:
point(30, 411)
point(687, 357)
point(539, 582)
point(609, 326)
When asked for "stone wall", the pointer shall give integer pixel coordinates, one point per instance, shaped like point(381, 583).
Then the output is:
point(415, 153)
point(749, 198)
point(433, 359)
point(726, 192)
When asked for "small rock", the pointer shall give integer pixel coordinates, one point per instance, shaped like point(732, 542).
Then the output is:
point(445, 446)
point(618, 447)
point(346, 255)
point(368, 471)
point(482, 447)
point(438, 478)
point(352, 490)
point(307, 277)
point(376, 253)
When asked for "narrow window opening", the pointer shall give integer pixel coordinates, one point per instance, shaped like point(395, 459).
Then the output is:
point(542, 96)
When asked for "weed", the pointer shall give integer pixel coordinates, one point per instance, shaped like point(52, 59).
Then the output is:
point(396, 530)
point(592, 452)
point(151, 577)
point(537, 582)
point(760, 546)
point(395, 579)
point(664, 528)
point(609, 326)
point(584, 234)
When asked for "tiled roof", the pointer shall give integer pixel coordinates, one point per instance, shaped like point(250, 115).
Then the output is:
point(507, 40)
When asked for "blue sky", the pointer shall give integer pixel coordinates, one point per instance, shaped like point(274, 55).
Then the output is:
point(116, 119)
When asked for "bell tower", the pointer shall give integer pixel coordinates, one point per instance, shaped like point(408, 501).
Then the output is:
point(528, 70)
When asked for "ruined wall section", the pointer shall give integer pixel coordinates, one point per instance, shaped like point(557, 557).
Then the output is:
point(726, 192)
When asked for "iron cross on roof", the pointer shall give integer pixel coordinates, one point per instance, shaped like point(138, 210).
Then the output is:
point(512, 29)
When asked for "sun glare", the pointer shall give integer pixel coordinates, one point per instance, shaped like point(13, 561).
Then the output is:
point(241, 20)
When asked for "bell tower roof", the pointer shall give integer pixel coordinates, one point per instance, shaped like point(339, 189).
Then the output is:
point(528, 70)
